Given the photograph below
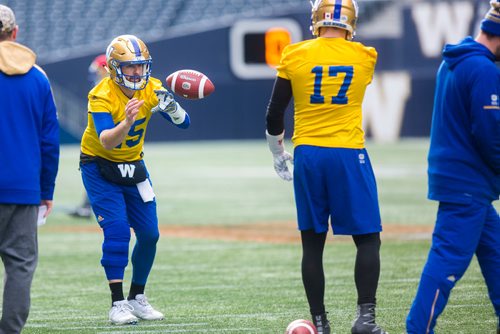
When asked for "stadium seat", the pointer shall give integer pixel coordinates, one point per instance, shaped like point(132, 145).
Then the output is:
point(54, 28)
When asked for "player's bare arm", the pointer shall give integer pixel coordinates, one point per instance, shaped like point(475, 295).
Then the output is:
point(113, 137)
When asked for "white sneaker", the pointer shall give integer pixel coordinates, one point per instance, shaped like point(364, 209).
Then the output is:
point(121, 314)
point(143, 310)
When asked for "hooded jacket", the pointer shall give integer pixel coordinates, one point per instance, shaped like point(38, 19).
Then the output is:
point(29, 130)
point(464, 154)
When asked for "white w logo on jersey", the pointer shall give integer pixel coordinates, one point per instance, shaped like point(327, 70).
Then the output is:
point(127, 170)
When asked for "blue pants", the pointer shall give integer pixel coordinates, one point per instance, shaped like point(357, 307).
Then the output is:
point(461, 230)
point(118, 208)
point(336, 183)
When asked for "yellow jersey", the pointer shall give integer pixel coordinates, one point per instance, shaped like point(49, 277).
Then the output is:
point(107, 97)
point(329, 77)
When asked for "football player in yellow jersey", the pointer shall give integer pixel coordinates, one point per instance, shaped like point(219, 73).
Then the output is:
point(333, 178)
point(115, 176)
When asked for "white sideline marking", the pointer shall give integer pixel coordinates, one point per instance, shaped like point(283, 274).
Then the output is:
point(234, 330)
point(166, 328)
point(220, 172)
point(393, 172)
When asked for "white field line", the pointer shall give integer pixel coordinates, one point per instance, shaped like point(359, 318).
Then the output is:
point(142, 327)
point(221, 172)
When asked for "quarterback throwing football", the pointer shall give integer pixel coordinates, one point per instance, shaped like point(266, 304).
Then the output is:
point(333, 178)
point(115, 175)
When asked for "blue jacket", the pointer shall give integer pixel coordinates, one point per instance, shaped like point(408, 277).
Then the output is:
point(29, 130)
point(464, 155)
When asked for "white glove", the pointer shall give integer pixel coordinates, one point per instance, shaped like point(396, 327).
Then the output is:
point(280, 156)
point(166, 101)
point(167, 104)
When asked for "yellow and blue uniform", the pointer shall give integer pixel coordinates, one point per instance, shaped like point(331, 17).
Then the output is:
point(118, 207)
point(333, 176)
point(107, 97)
point(328, 77)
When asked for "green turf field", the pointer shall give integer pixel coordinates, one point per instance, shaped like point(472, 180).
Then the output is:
point(206, 285)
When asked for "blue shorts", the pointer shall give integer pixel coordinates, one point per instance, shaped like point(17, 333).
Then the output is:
point(335, 183)
point(112, 202)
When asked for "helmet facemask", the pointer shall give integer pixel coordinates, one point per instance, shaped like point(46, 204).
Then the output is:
point(134, 82)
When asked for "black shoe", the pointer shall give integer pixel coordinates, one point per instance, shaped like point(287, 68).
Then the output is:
point(365, 321)
point(321, 323)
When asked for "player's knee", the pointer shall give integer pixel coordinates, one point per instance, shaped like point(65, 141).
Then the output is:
point(115, 253)
point(117, 230)
point(149, 237)
point(444, 281)
point(370, 240)
point(446, 274)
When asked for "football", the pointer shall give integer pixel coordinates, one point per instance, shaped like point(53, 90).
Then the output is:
point(190, 84)
point(301, 326)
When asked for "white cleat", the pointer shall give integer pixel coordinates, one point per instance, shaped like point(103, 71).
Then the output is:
point(121, 314)
point(143, 310)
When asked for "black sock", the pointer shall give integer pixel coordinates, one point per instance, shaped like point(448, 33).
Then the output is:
point(135, 290)
point(367, 267)
point(313, 276)
point(116, 292)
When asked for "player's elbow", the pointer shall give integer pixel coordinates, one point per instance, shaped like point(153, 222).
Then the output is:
point(107, 147)
point(106, 142)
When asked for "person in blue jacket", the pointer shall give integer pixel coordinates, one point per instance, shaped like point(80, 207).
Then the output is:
point(464, 173)
point(29, 132)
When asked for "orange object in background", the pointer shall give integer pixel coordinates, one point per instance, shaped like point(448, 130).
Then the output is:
point(275, 41)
